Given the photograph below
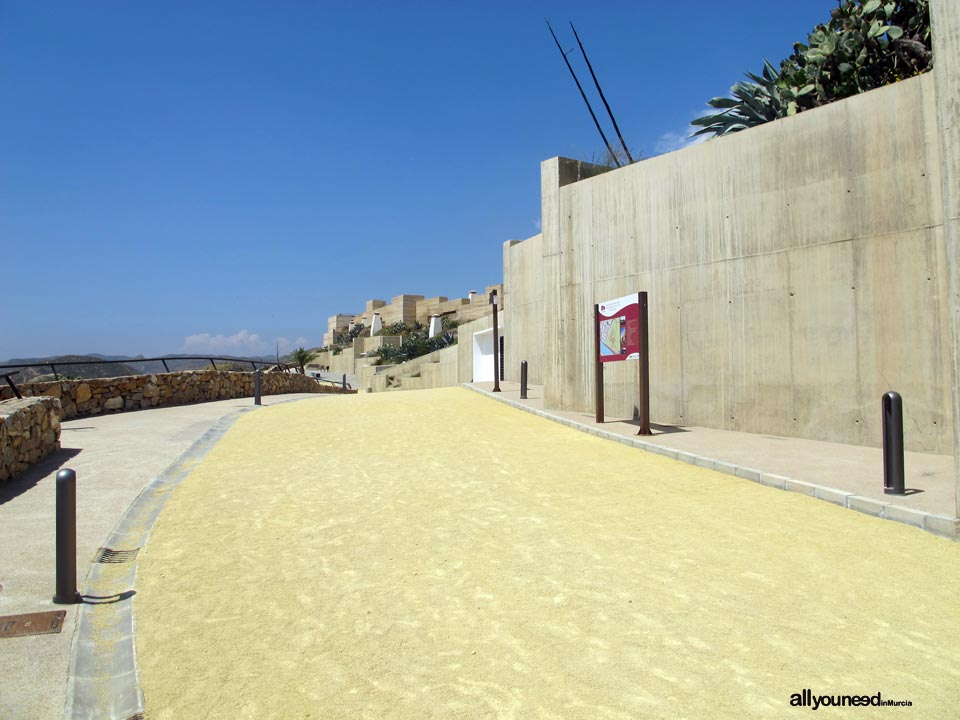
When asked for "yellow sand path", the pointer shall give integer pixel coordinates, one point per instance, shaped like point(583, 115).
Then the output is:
point(436, 554)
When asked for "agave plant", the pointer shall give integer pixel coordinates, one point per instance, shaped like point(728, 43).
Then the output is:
point(758, 101)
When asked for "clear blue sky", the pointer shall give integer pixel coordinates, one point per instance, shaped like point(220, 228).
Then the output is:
point(212, 176)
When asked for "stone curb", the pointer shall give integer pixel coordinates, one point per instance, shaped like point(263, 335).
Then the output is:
point(941, 525)
point(104, 678)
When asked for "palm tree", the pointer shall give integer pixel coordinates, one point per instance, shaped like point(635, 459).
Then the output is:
point(301, 357)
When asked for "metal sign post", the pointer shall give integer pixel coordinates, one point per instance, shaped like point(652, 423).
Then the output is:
point(598, 371)
point(643, 409)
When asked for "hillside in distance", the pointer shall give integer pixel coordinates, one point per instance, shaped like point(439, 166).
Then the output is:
point(104, 366)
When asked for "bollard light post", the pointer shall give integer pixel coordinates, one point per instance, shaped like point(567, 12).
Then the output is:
point(523, 379)
point(496, 343)
point(892, 408)
point(66, 534)
point(256, 388)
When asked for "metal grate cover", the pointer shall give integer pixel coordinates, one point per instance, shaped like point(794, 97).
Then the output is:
point(109, 555)
point(41, 623)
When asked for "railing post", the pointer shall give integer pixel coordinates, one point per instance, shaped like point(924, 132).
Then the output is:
point(256, 387)
point(66, 538)
point(56, 375)
point(165, 368)
point(523, 379)
point(12, 386)
point(892, 407)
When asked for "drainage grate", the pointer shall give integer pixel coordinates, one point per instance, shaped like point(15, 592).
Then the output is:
point(40, 623)
point(108, 555)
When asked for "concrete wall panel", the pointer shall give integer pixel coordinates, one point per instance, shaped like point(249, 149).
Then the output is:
point(779, 261)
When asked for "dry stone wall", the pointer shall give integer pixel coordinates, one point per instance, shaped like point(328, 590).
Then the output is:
point(29, 431)
point(80, 398)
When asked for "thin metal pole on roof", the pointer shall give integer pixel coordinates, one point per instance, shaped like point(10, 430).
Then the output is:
point(602, 96)
point(584, 96)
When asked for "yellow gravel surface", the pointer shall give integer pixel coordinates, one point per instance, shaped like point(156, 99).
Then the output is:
point(436, 554)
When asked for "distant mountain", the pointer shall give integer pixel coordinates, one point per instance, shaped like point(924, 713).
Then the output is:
point(65, 368)
point(126, 366)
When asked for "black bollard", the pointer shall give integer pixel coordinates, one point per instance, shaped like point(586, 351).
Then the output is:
point(892, 407)
point(256, 388)
point(66, 538)
point(344, 381)
point(523, 379)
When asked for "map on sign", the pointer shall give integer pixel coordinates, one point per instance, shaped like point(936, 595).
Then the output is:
point(613, 336)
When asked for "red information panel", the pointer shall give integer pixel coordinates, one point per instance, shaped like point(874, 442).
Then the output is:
point(620, 329)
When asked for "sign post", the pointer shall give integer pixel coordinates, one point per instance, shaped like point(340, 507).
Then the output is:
point(598, 371)
point(621, 332)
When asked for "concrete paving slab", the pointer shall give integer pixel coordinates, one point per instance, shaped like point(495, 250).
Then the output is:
point(849, 468)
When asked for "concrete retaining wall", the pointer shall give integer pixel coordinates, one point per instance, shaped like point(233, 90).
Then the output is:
point(29, 431)
point(93, 397)
point(795, 273)
point(523, 295)
point(465, 345)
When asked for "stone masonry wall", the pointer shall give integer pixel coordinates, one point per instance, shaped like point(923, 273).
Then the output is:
point(93, 397)
point(29, 431)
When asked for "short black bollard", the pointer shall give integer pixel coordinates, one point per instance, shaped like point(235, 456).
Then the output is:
point(66, 538)
point(344, 381)
point(523, 379)
point(892, 406)
point(256, 388)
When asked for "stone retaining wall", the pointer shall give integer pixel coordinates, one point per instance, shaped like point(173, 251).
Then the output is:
point(29, 431)
point(93, 397)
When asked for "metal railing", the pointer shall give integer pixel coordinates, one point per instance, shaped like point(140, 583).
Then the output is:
point(163, 360)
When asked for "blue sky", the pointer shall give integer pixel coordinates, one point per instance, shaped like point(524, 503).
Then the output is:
point(211, 176)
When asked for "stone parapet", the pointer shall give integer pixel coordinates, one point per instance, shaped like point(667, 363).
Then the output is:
point(80, 398)
point(29, 431)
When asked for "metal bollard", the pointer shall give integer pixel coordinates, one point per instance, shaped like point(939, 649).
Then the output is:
point(256, 388)
point(66, 538)
point(892, 407)
point(344, 381)
point(523, 379)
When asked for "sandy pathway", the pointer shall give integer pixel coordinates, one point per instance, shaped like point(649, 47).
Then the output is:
point(437, 554)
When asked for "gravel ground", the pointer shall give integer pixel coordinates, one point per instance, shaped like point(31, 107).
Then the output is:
point(437, 554)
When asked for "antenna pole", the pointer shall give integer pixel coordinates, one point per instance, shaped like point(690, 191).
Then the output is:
point(602, 97)
point(584, 96)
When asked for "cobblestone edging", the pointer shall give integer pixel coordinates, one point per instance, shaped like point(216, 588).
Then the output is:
point(80, 398)
point(104, 677)
point(941, 525)
point(29, 431)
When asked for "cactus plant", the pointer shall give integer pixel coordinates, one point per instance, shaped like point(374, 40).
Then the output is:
point(865, 45)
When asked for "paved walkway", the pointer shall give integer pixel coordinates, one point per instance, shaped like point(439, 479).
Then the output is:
point(115, 456)
point(849, 469)
point(436, 554)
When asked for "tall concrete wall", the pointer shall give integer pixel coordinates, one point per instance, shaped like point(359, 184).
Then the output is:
point(945, 21)
point(523, 299)
point(795, 273)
